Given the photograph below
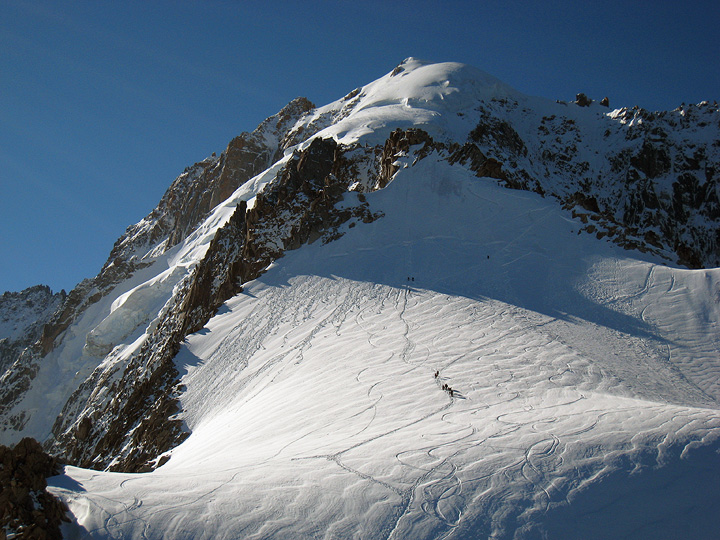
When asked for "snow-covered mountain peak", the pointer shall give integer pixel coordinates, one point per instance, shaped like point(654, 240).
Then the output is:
point(435, 96)
point(347, 325)
point(422, 83)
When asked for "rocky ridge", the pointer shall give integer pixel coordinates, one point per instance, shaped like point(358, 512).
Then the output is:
point(200, 188)
point(647, 181)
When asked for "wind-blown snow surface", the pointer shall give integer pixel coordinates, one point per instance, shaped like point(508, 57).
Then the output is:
point(585, 377)
point(582, 375)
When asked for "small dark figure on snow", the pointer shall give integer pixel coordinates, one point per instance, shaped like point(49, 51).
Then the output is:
point(437, 374)
point(451, 392)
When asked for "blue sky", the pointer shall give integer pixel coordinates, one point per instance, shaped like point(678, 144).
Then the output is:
point(103, 104)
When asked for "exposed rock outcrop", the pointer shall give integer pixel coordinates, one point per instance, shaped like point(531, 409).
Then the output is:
point(582, 100)
point(27, 510)
point(22, 316)
point(470, 156)
point(501, 133)
point(398, 144)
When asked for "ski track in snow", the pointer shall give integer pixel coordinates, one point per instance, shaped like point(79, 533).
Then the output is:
point(581, 372)
point(418, 473)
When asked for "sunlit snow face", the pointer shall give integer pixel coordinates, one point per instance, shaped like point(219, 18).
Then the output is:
point(314, 403)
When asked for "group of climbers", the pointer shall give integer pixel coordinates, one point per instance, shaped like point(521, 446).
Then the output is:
point(445, 386)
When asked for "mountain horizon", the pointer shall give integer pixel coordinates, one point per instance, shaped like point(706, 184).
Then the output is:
point(434, 308)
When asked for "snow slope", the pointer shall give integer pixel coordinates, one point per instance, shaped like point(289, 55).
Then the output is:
point(585, 377)
point(585, 387)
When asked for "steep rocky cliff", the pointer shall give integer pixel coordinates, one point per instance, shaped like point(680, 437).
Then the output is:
point(22, 317)
point(27, 510)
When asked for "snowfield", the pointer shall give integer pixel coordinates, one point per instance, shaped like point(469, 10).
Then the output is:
point(585, 387)
point(474, 363)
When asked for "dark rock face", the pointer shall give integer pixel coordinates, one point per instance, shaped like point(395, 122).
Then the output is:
point(469, 155)
point(671, 181)
point(27, 510)
point(398, 144)
point(22, 316)
point(653, 159)
point(129, 431)
point(582, 100)
point(501, 132)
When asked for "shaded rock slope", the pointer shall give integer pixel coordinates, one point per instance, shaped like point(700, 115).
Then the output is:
point(27, 510)
point(22, 318)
